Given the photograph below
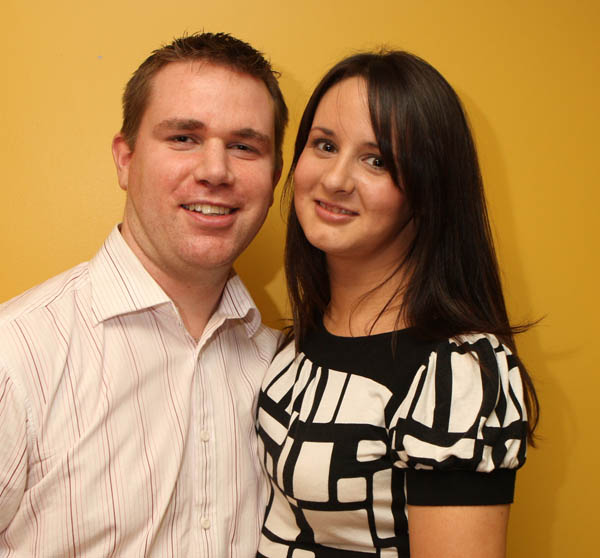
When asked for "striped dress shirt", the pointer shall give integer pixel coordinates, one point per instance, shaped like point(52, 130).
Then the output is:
point(120, 434)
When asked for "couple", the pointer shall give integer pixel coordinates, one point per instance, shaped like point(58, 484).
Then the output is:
point(397, 405)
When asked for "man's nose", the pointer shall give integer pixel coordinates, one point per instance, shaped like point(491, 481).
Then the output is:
point(212, 166)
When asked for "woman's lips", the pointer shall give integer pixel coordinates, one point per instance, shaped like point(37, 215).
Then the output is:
point(338, 210)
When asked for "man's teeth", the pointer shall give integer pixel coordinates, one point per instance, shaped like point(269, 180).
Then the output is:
point(207, 209)
point(335, 209)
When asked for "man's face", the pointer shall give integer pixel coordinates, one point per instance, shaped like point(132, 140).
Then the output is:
point(200, 179)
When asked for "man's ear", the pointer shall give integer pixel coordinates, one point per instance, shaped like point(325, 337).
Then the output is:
point(122, 156)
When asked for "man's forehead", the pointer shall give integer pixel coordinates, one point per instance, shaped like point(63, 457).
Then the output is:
point(204, 85)
point(206, 70)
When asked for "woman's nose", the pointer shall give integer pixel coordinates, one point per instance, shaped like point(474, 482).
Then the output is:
point(338, 178)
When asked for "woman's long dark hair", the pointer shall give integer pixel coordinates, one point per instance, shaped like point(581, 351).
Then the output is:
point(454, 285)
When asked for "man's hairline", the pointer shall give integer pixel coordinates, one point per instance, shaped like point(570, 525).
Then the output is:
point(203, 60)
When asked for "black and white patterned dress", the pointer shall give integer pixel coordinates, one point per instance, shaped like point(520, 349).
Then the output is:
point(351, 431)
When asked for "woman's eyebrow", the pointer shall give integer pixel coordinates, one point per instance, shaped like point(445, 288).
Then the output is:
point(331, 134)
point(323, 130)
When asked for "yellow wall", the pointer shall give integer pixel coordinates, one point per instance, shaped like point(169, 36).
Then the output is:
point(528, 72)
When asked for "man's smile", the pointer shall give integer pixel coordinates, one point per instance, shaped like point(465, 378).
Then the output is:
point(208, 209)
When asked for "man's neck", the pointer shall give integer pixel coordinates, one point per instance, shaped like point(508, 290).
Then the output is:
point(196, 300)
point(195, 291)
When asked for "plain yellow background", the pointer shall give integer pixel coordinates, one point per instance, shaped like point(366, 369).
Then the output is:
point(529, 75)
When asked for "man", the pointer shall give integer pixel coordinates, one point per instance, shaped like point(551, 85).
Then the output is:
point(128, 384)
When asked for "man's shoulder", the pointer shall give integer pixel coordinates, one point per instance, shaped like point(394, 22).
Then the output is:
point(58, 289)
point(273, 337)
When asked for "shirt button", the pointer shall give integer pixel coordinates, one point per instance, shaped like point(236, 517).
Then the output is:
point(205, 523)
point(205, 435)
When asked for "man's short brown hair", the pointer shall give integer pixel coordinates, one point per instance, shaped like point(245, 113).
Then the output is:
point(217, 48)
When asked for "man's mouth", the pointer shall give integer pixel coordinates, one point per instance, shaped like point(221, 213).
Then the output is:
point(336, 209)
point(208, 209)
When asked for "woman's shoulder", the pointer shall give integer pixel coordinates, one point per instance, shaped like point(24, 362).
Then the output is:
point(464, 409)
point(475, 366)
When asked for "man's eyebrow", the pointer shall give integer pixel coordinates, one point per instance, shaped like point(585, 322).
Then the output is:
point(179, 124)
point(252, 134)
point(189, 124)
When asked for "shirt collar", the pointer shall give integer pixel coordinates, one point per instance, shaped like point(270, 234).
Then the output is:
point(121, 285)
point(236, 303)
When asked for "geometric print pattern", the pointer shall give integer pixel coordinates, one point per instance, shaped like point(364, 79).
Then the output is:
point(351, 431)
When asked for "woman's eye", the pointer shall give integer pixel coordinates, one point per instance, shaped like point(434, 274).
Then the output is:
point(324, 145)
point(376, 162)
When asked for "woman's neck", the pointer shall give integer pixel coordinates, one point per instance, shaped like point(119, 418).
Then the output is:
point(364, 301)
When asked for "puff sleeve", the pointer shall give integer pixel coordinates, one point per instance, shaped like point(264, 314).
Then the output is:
point(461, 430)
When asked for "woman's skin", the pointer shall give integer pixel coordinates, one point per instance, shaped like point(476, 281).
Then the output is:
point(349, 207)
point(457, 531)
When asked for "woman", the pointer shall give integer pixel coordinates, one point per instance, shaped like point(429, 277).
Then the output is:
point(394, 423)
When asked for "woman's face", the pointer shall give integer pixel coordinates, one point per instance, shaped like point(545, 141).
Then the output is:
point(345, 198)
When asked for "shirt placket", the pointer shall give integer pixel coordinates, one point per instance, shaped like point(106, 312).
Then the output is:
point(205, 473)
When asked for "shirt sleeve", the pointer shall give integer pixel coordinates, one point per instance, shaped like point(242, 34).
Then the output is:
point(13, 449)
point(461, 430)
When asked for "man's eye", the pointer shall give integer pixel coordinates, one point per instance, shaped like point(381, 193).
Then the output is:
point(181, 139)
point(244, 149)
